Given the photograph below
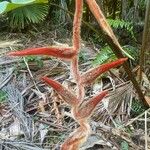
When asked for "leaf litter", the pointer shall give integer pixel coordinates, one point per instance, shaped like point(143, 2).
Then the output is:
point(34, 117)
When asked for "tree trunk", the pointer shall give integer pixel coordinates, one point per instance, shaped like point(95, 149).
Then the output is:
point(124, 9)
point(145, 50)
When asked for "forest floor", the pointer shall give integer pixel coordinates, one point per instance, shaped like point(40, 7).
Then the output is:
point(34, 117)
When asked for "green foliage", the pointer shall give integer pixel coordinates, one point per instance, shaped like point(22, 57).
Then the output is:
point(106, 54)
point(23, 16)
point(3, 96)
point(121, 24)
point(6, 6)
point(37, 59)
point(137, 107)
point(142, 4)
point(124, 145)
point(132, 51)
point(22, 13)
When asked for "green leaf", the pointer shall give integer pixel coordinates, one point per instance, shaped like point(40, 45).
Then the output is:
point(105, 55)
point(132, 51)
point(127, 54)
point(33, 13)
point(22, 1)
point(124, 145)
point(6, 6)
point(3, 96)
point(28, 1)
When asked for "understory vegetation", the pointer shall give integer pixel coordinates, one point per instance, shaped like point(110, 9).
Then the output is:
point(34, 116)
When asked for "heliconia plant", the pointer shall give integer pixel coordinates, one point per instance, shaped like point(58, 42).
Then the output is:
point(80, 109)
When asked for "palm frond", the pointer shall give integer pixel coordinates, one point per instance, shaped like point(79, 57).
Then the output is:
point(22, 16)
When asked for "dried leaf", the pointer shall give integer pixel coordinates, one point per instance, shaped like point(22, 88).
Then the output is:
point(15, 129)
point(95, 140)
point(43, 132)
point(147, 98)
point(41, 106)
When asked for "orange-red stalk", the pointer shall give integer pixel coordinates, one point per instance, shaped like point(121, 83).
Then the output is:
point(77, 25)
point(81, 110)
point(67, 96)
point(76, 45)
point(59, 52)
point(92, 74)
point(86, 108)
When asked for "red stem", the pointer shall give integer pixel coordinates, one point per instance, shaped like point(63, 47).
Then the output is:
point(77, 24)
point(76, 46)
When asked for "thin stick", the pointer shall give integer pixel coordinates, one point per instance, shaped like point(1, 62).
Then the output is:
point(146, 143)
point(38, 91)
point(136, 118)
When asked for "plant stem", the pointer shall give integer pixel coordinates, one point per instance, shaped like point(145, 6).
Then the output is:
point(113, 43)
point(145, 40)
point(76, 46)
